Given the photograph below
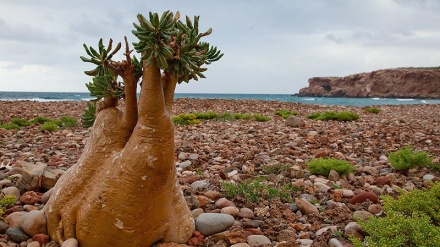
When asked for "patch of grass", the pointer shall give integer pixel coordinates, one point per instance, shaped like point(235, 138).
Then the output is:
point(276, 169)
point(49, 126)
point(186, 119)
point(261, 118)
point(9, 126)
point(408, 158)
point(67, 121)
point(374, 110)
point(20, 122)
point(242, 116)
point(207, 115)
point(285, 113)
point(252, 189)
point(40, 120)
point(323, 166)
point(335, 116)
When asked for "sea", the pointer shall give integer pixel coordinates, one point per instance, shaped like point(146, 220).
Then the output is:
point(72, 96)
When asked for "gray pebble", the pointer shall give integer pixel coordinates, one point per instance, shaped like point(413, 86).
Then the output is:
point(211, 223)
point(17, 235)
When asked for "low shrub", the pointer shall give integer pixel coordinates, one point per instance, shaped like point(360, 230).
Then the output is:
point(9, 126)
point(20, 122)
point(411, 220)
point(261, 118)
point(67, 121)
point(408, 158)
point(396, 230)
point(276, 169)
point(252, 189)
point(186, 119)
point(321, 166)
point(425, 201)
point(41, 120)
point(285, 113)
point(240, 116)
point(335, 116)
point(227, 116)
point(207, 115)
point(49, 126)
point(374, 110)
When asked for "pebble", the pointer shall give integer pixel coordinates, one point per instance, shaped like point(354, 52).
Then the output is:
point(223, 202)
point(3, 226)
point(246, 213)
point(305, 242)
point(240, 245)
point(211, 223)
point(361, 215)
point(33, 222)
point(184, 165)
point(258, 240)
point(428, 177)
point(306, 207)
point(363, 196)
point(17, 235)
point(41, 238)
point(333, 175)
point(333, 242)
point(375, 208)
point(11, 191)
point(33, 244)
point(321, 187)
point(231, 210)
point(199, 185)
point(71, 242)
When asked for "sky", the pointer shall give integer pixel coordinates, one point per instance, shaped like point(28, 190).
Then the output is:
point(270, 47)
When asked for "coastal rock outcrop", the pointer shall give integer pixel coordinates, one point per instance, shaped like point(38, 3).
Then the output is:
point(387, 83)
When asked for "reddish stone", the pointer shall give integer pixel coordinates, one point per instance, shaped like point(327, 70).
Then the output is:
point(363, 196)
point(188, 179)
point(235, 237)
point(203, 200)
point(31, 197)
point(41, 238)
point(254, 231)
point(212, 194)
point(382, 181)
point(17, 208)
point(321, 154)
point(223, 175)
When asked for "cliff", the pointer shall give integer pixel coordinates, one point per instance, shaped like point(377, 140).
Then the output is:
point(387, 83)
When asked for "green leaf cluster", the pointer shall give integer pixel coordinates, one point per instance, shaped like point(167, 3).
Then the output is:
point(335, 116)
point(408, 158)
point(285, 113)
point(276, 168)
point(261, 118)
point(88, 117)
point(252, 189)
point(175, 45)
point(322, 166)
point(411, 220)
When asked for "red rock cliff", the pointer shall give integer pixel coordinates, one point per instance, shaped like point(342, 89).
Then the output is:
point(387, 83)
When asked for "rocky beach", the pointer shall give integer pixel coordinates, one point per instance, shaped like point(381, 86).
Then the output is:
point(321, 210)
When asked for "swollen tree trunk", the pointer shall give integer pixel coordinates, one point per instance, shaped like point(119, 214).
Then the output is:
point(124, 191)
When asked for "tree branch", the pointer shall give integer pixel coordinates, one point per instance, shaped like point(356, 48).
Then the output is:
point(169, 85)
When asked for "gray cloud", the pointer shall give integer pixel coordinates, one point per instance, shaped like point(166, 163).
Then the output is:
point(270, 46)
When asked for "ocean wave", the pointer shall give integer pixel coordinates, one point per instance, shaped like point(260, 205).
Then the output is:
point(405, 99)
point(376, 98)
point(309, 99)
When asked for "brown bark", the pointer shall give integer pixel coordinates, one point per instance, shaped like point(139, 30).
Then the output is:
point(123, 191)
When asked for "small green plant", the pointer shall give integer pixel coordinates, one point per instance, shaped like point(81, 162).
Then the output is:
point(408, 158)
point(186, 119)
point(227, 116)
point(242, 116)
point(426, 201)
point(396, 230)
point(252, 189)
point(40, 120)
point(261, 118)
point(49, 126)
point(7, 201)
point(335, 116)
point(374, 110)
point(321, 166)
point(207, 115)
point(285, 113)
point(67, 121)
point(20, 122)
point(9, 126)
point(338, 234)
point(88, 117)
point(276, 169)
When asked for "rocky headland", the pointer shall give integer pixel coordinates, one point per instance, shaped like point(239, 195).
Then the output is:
point(323, 209)
point(387, 83)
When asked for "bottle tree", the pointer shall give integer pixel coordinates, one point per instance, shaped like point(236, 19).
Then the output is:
point(123, 191)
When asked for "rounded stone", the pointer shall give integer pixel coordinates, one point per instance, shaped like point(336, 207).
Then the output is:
point(33, 244)
point(375, 208)
point(258, 240)
point(361, 215)
point(33, 222)
point(11, 191)
point(306, 207)
point(246, 213)
point(333, 242)
point(17, 235)
point(363, 196)
point(71, 242)
point(211, 223)
point(231, 210)
point(428, 177)
point(223, 202)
